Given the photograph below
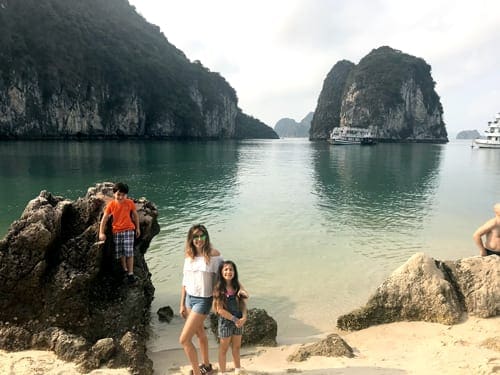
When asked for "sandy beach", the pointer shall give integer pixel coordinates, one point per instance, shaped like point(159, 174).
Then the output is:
point(389, 349)
point(472, 347)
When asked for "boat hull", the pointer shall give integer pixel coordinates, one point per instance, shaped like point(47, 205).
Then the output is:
point(482, 143)
point(363, 142)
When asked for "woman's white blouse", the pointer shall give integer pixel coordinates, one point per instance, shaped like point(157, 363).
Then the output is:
point(199, 277)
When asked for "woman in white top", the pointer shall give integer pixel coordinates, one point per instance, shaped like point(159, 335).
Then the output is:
point(200, 268)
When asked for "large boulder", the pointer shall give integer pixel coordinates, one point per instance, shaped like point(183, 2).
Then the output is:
point(260, 328)
point(477, 281)
point(58, 281)
point(424, 289)
point(332, 346)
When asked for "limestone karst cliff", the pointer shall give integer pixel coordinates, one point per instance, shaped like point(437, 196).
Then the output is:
point(388, 90)
point(97, 69)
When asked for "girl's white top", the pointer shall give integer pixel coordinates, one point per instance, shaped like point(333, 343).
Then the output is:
point(199, 277)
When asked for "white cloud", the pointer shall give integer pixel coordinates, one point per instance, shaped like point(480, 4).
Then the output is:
point(277, 53)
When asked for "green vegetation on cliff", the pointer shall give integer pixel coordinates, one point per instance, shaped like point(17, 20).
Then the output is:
point(383, 71)
point(388, 91)
point(250, 127)
point(104, 48)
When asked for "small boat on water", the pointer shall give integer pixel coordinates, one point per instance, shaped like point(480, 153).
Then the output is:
point(492, 135)
point(345, 135)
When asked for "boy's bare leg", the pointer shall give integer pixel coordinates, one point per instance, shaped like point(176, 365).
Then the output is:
point(130, 265)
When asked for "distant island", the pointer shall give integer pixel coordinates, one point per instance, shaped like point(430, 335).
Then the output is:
point(98, 69)
point(289, 128)
point(468, 134)
point(389, 91)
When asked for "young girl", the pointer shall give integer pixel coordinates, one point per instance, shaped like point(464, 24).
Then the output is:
point(200, 269)
point(230, 305)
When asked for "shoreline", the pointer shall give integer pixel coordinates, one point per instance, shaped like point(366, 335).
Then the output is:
point(470, 347)
point(389, 349)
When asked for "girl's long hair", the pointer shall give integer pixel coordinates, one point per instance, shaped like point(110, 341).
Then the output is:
point(220, 299)
point(191, 249)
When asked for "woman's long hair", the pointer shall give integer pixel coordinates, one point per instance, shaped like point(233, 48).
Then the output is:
point(191, 251)
point(220, 299)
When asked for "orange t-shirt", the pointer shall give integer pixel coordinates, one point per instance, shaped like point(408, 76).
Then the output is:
point(121, 215)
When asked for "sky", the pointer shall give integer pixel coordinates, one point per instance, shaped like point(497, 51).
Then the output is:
point(276, 53)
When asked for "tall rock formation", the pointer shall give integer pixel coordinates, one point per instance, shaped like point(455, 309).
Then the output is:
point(389, 91)
point(63, 290)
point(97, 69)
point(327, 113)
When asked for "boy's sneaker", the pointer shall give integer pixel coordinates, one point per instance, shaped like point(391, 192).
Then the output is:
point(240, 371)
point(132, 279)
point(206, 369)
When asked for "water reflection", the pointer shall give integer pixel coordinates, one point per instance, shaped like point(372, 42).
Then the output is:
point(186, 179)
point(376, 198)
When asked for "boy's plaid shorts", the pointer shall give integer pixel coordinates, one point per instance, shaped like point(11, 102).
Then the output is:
point(124, 243)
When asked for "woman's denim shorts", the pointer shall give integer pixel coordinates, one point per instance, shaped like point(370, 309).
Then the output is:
point(200, 305)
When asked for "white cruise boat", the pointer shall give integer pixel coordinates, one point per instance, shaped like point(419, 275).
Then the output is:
point(345, 135)
point(492, 135)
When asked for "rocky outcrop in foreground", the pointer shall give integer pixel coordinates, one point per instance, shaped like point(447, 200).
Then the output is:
point(61, 290)
point(260, 328)
point(332, 346)
point(424, 289)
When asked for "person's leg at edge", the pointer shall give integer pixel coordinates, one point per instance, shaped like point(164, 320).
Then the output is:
point(203, 341)
point(223, 347)
point(124, 263)
point(194, 322)
point(130, 265)
point(236, 351)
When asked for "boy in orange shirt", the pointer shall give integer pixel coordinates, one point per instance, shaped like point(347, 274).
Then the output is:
point(123, 211)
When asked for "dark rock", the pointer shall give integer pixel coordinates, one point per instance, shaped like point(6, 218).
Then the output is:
point(332, 346)
point(132, 348)
point(14, 338)
point(423, 289)
point(104, 349)
point(65, 288)
point(165, 314)
point(260, 328)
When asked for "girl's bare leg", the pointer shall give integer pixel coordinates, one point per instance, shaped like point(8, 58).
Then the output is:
point(223, 347)
point(236, 351)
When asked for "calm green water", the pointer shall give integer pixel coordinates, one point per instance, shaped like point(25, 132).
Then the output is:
point(313, 228)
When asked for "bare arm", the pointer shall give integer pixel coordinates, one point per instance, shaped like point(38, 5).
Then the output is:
point(243, 293)
point(241, 322)
point(478, 234)
point(182, 304)
point(227, 315)
point(102, 227)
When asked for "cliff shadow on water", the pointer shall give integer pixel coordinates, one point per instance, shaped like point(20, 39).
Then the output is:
point(178, 175)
